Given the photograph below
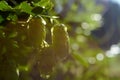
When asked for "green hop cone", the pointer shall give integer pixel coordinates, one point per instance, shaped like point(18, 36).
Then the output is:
point(36, 32)
point(60, 41)
point(46, 61)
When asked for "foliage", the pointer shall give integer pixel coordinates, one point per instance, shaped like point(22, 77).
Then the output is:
point(24, 51)
point(34, 45)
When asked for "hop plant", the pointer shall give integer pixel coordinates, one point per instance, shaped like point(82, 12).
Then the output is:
point(36, 31)
point(60, 41)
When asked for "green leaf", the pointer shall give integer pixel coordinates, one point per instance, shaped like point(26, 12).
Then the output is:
point(23, 68)
point(13, 34)
point(14, 44)
point(44, 3)
point(25, 7)
point(1, 19)
point(12, 17)
point(4, 6)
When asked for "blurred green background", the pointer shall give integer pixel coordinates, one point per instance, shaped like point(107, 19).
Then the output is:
point(95, 52)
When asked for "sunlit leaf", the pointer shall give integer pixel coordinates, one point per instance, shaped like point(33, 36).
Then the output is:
point(23, 68)
point(25, 7)
point(44, 3)
point(12, 17)
point(4, 6)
